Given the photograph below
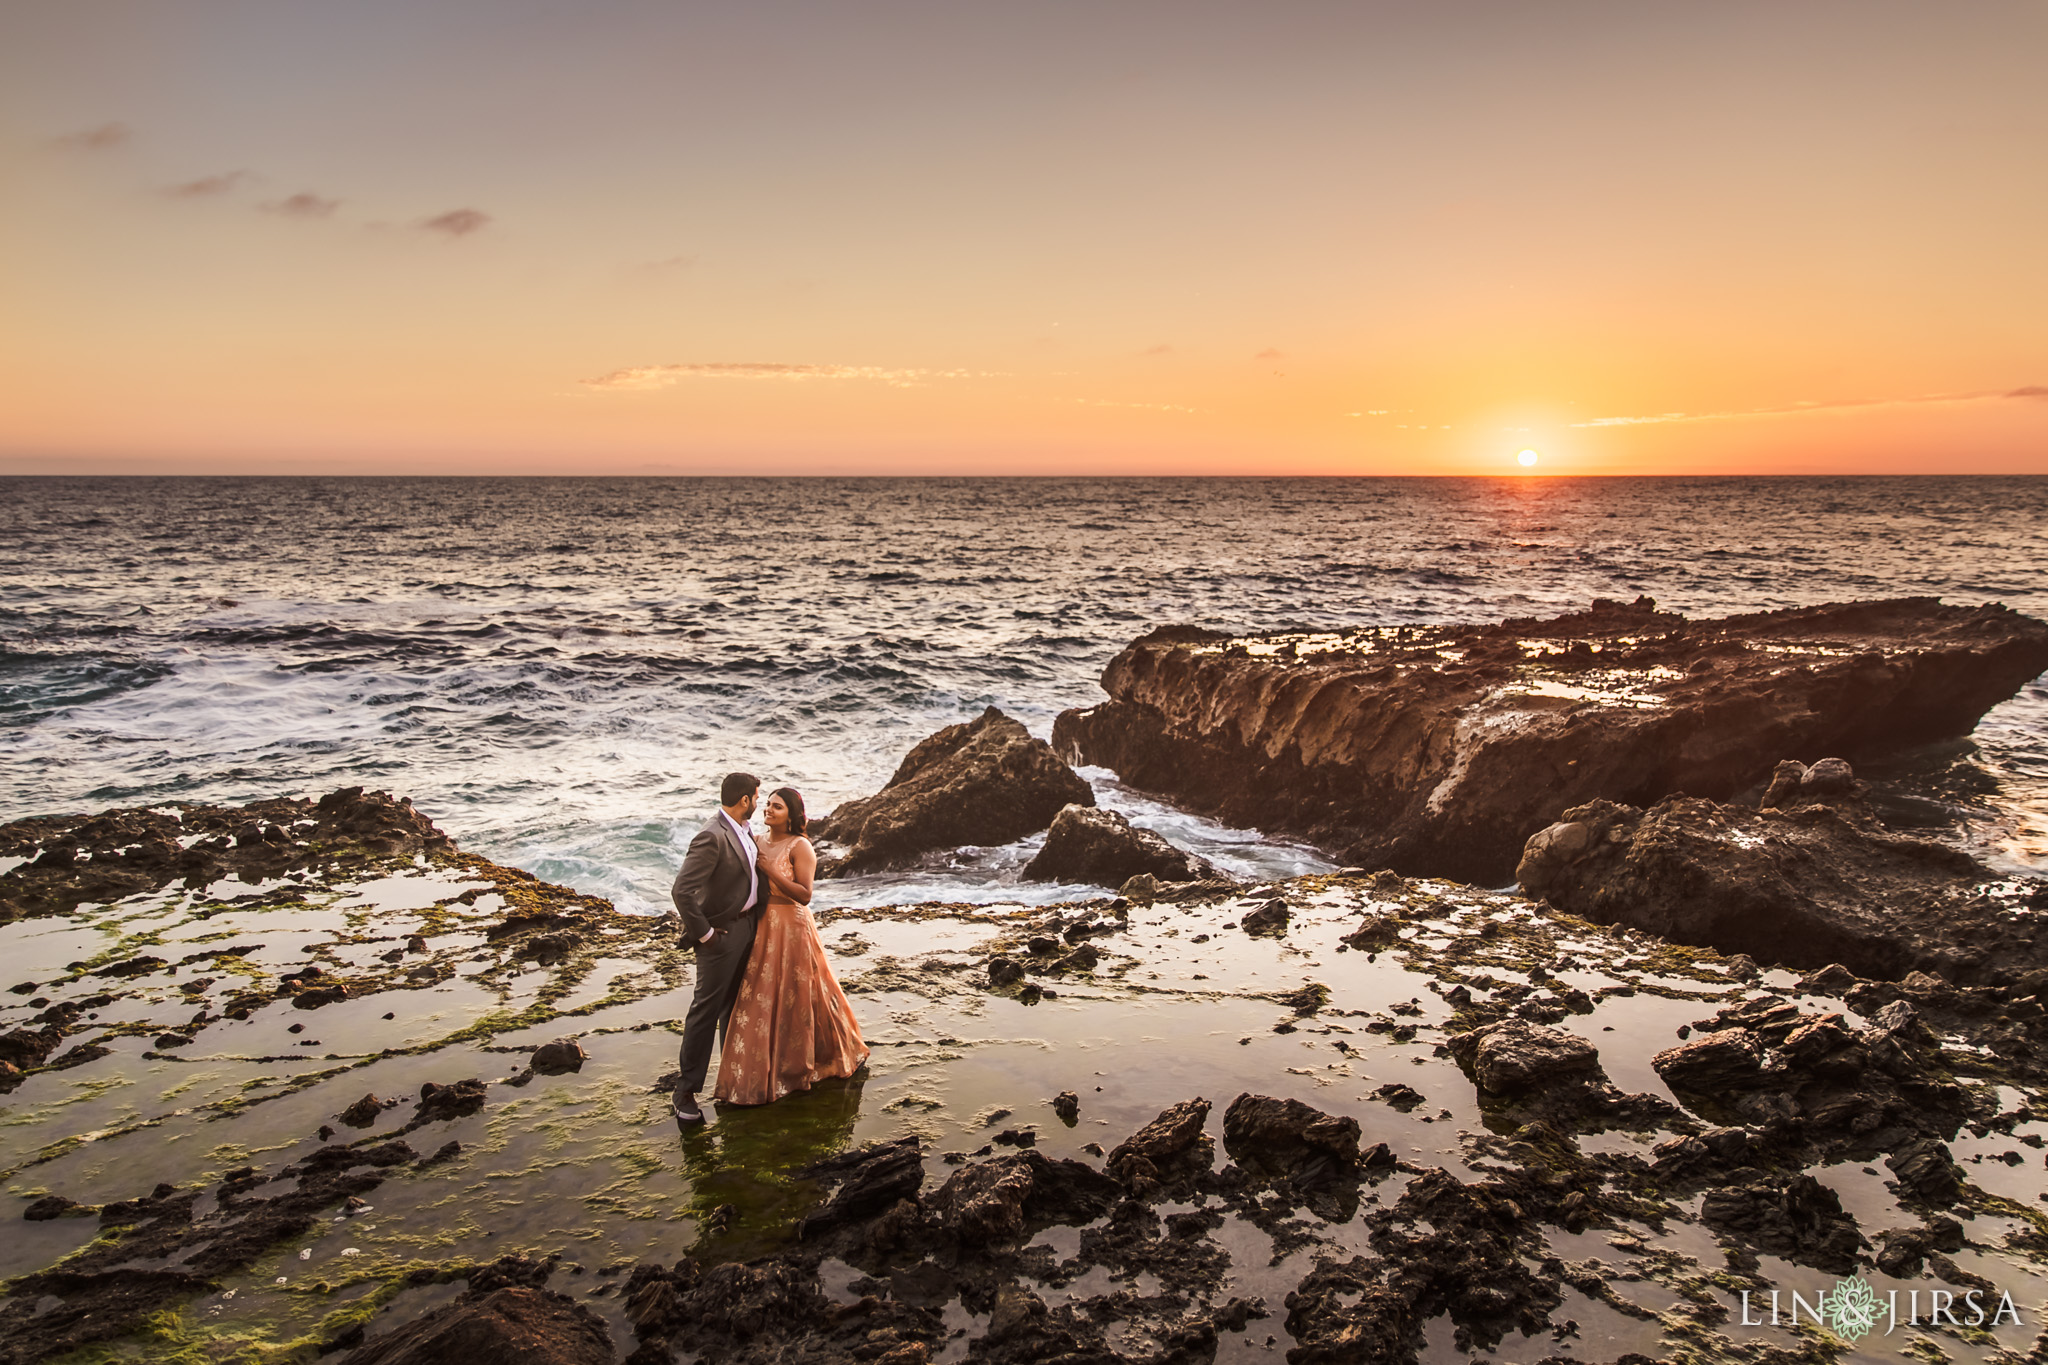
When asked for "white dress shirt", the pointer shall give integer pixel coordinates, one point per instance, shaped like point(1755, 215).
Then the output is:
point(753, 855)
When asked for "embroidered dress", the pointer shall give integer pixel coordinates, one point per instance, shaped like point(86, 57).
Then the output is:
point(791, 1025)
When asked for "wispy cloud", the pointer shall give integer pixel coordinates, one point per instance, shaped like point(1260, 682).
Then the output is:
point(1271, 353)
point(207, 185)
point(667, 376)
point(304, 206)
point(457, 222)
point(1837, 405)
point(94, 139)
point(1161, 349)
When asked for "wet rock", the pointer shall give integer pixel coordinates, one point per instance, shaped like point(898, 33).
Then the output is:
point(1068, 1106)
point(1290, 1139)
point(512, 1324)
point(983, 782)
point(995, 1202)
point(51, 1206)
point(1082, 959)
point(1927, 1172)
point(1450, 746)
point(81, 859)
point(1002, 971)
point(1399, 1096)
point(1811, 886)
point(1172, 1146)
point(1142, 889)
point(1828, 777)
point(557, 1057)
point(864, 1183)
point(1515, 1056)
point(439, 1102)
point(1800, 1220)
point(1087, 844)
point(1711, 1063)
point(1833, 979)
point(27, 1048)
point(1267, 917)
point(312, 999)
point(1042, 945)
point(364, 1111)
point(172, 1040)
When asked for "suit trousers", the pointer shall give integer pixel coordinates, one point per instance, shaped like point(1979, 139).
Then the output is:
point(721, 965)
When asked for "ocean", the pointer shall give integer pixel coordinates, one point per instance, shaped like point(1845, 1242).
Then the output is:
point(558, 671)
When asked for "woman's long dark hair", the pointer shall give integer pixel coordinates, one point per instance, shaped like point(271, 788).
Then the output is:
point(793, 799)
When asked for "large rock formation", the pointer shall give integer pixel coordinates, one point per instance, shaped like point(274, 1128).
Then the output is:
point(985, 781)
point(1802, 884)
point(1087, 844)
point(1438, 750)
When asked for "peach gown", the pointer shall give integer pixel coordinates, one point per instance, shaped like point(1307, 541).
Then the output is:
point(791, 1025)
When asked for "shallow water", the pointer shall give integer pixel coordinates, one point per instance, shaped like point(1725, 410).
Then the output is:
point(590, 1164)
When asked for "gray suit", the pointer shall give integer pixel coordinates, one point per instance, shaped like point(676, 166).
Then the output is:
point(711, 893)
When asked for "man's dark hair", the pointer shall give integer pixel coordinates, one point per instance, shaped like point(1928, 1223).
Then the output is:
point(735, 786)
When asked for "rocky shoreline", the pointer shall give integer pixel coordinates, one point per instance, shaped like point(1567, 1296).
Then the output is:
point(1400, 1117)
point(302, 1079)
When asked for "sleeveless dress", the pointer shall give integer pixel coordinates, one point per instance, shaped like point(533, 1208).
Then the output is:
point(791, 1025)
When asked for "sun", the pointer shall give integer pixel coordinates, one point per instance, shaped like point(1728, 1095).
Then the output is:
point(1527, 459)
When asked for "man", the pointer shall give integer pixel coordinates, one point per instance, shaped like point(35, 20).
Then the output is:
point(717, 893)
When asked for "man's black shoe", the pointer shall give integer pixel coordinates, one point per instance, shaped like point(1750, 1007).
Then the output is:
point(686, 1109)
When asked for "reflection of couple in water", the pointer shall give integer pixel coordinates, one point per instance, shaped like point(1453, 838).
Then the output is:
point(763, 983)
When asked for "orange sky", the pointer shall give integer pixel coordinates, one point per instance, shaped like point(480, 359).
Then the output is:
point(295, 236)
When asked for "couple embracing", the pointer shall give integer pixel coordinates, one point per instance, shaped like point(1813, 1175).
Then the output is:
point(763, 983)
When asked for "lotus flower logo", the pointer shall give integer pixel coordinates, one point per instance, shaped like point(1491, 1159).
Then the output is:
point(1851, 1308)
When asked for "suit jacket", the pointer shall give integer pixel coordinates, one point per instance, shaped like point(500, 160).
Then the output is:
point(710, 891)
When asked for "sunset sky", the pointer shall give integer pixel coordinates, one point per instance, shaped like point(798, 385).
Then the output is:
point(623, 237)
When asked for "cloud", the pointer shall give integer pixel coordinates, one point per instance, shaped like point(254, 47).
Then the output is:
point(304, 206)
point(1797, 409)
point(667, 376)
point(207, 185)
point(95, 139)
point(1270, 353)
point(1161, 349)
point(668, 263)
point(457, 222)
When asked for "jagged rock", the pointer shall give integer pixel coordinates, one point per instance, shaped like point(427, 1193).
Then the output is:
point(1800, 1220)
point(455, 1101)
point(80, 859)
point(1711, 1063)
point(50, 1206)
point(1068, 1106)
point(1453, 744)
point(1087, 844)
point(868, 1180)
point(983, 782)
point(554, 1058)
point(1170, 1146)
point(1927, 1172)
point(363, 1112)
point(528, 1325)
point(1267, 917)
point(1811, 886)
point(1004, 972)
point(994, 1202)
point(1515, 1055)
point(1289, 1138)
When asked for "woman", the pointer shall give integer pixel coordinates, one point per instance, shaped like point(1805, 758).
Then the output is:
point(791, 1025)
